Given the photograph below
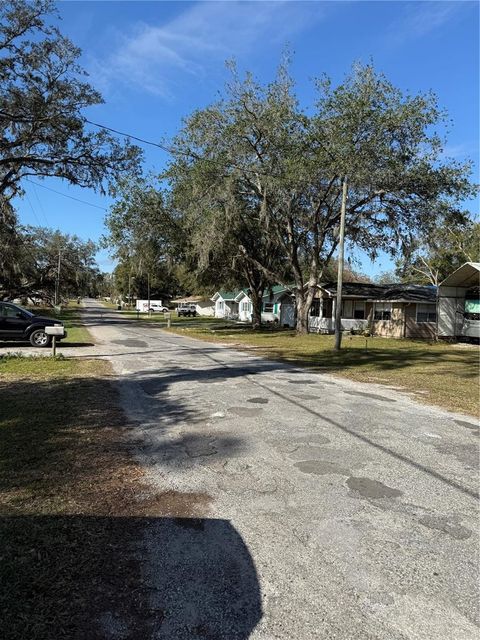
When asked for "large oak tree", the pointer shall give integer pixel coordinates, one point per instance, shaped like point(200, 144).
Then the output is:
point(43, 95)
point(257, 162)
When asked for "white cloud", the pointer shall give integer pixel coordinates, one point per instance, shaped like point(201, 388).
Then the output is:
point(422, 18)
point(152, 56)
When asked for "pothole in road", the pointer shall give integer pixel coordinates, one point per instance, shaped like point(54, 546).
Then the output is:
point(321, 467)
point(368, 488)
point(445, 525)
point(258, 400)
point(130, 342)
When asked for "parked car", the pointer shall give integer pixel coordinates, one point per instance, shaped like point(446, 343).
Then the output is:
point(17, 323)
point(186, 309)
point(158, 308)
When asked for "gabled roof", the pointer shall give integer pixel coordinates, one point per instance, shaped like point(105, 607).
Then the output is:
point(230, 296)
point(390, 292)
point(468, 275)
point(276, 289)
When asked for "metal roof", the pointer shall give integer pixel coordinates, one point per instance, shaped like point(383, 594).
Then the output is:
point(468, 275)
point(390, 292)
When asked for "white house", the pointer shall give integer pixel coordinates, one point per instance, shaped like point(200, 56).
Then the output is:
point(203, 305)
point(235, 305)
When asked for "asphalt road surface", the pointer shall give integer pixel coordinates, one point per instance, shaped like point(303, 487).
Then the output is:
point(302, 505)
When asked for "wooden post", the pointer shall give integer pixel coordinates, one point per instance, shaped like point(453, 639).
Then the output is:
point(338, 307)
point(148, 292)
point(54, 346)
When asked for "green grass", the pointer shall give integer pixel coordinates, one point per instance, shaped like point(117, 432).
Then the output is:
point(71, 316)
point(439, 373)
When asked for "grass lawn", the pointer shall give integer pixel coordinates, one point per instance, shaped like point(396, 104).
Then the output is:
point(78, 334)
point(437, 373)
point(69, 521)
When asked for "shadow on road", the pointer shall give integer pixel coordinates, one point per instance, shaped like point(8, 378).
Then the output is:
point(159, 578)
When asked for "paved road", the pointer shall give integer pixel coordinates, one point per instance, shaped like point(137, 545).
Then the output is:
point(319, 507)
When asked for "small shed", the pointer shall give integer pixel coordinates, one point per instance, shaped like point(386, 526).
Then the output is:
point(459, 303)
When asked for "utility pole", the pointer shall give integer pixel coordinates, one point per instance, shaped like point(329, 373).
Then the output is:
point(338, 306)
point(148, 291)
point(57, 284)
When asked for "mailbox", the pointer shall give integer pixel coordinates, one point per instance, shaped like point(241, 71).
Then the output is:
point(54, 331)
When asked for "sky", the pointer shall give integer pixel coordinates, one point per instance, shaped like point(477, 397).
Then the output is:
point(156, 62)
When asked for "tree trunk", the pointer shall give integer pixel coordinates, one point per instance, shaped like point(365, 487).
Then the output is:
point(256, 297)
point(302, 309)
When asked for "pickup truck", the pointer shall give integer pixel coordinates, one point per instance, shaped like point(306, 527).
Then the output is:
point(186, 310)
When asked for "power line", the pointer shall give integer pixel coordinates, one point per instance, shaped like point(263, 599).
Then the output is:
point(129, 135)
point(65, 195)
point(41, 206)
point(33, 210)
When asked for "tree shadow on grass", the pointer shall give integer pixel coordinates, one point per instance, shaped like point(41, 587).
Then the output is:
point(79, 577)
point(463, 364)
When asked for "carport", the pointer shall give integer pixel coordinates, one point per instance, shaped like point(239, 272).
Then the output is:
point(458, 302)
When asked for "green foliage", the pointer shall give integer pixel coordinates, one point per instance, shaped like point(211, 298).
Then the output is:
point(35, 272)
point(255, 173)
point(42, 96)
point(433, 256)
point(145, 234)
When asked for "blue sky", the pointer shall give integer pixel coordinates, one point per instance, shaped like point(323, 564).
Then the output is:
point(155, 62)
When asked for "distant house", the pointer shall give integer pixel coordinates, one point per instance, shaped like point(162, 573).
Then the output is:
point(459, 303)
point(396, 310)
point(278, 306)
point(203, 305)
point(232, 304)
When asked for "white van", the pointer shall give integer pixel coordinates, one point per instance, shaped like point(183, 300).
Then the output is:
point(155, 306)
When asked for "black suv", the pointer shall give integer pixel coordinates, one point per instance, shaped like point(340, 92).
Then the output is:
point(17, 323)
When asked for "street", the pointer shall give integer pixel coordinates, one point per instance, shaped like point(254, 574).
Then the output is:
point(296, 505)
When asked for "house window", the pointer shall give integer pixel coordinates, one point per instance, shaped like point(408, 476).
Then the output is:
point(268, 307)
point(426, 313)
point(220, 305)
point(245, 306)
point(347, 308)
point(353, 309)
point(383, 311)
point(315, 308)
